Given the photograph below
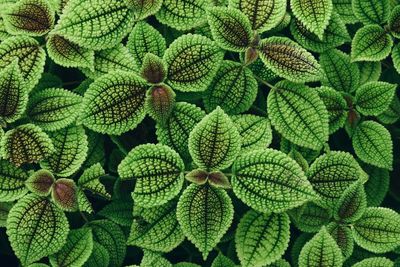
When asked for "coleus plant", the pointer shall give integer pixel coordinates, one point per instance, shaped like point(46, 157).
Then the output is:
point(271, 138)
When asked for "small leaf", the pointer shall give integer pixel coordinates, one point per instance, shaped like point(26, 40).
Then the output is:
point(76, 251)
point(255, 131)
point(289, 60)
point(374, 261)
point(30, 17)
point(205, 214)
point(378, 230)
point(13, 93)
point(373, 98)
point(373, 144)
point(12, 181)
point(371, 11)
point(321, 250)
point(269, 181)
point(83, 202)
point(192, 60)
point(96, 151)
point(371, 43)
point(263, 15)
point(99, 256)
point(197, 176)
point(144, 8)
point(160, 101)
point(89, 180)
point(314, 14)
point(114, 103)
point(343, 237)
point(68, 54)
point(158, 171)
point(377, 185)
point(95, 24)
point(118, 211)
point(221, 261)
point(341, 74)
point(230, 28)
point(64, 193)
point(25, 144)
point(297, 112)
point(262, 238)
point(70, 151)
point(145, 39)
point(369, 71)
point(310, 217)
point(352, 203)
point(219, 179)
point(36, 228)
point(215, 142)
point(153, 69)
point(157, 229)
point(151, 258)
point(345, 10)
point(53, 108)
point(396, 57)
point(40, 182)
point(234, 89)
point(394, 22)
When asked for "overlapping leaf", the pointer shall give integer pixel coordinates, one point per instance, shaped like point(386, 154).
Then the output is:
point(40, 182)
point(144, 8)
point(371, 11)
point(375, 261)
point(343, 237)
point(394, 22)
point(12, 181)
point(118, 211)
point(89, 180)
point(352, 203)
point(369, 71)
point(377, 185)
point(310, 217)
point(99, 256)
point(345, 10)
point(373, 98)
point(64, 193)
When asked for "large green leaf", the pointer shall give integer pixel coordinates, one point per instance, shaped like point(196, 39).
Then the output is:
point(114, 103)
point(205, 214)
point(26, 143)
point(53, 108)
point(313, 14)
point(261, 238)
point(158, 171)
point(378, 230)
point(352, 203)
point(230, 28)
point(95, 24)
point(289, 60)
point(373, 144)
point(373, 98)
point(214, 142)
point(70, 151)
point(192, 60)
point(345, 10)
point(269, 181)
point(321, 250)
point(89, 180)
point(12, 181)
point(36, 228)
point(234, 89)
point(297, 112)
point(371, 11)
point(13, 93)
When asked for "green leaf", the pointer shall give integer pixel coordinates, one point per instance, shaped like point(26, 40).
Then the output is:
point(114, 103)
point(183, 14)
point(297, 112)
point(95, 24)
point(341, 74)
point(96, 151)
point(321, 250)
point(310, 217)
point(70, 151)
point(373, 98)
point(352, 203)
point(12, 181)
point(145, 39)
point(214, 142)
point(234, 89)
point(30, 17)
point(313, 14)
point(160, 102)
point(151, 258)
point(262, 238)
point(332, 173)
point(99, 256)
point(230, 28)
point(118, 211)
point(153, 69)
point(255, 131)
point(4, 210)
point(40, 182)
point(109, 60)
point(3, 31)
point(158, 171)
point(269, 181)
point(31, 57)
point(36, 228)
point(54, 108)
point(394, 22)
point(13, 93)
point(192, 60)
point(396, 57)
point(289, 60)
point(64, 194)
point(371, 43)
point(68, 54)
point(343, 237)
point(83, 202)
point(175, 131)
point(222, 261)
point(112, 238)
point(377, 185)
point(336, 106)
point(263, 15)
point(334, 35)
point(25, 144)
point(378, 230)
point(205, 214)
point(371, 11)
point(144, 8)
point(76, 250)
point(369, 71)
point(373, 144)
point(156, 228)
point(374, 261)
point(345, 10)
point(279, 263)
point(89, 180)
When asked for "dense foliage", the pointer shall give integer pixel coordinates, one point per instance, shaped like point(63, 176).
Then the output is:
point(160, 133)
